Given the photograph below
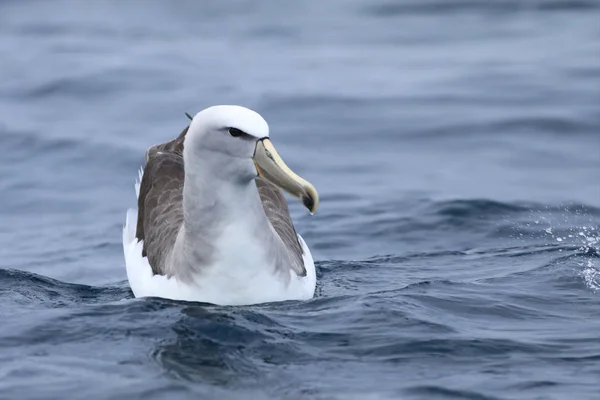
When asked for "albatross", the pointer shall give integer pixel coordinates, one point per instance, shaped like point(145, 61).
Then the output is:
point(212, 224)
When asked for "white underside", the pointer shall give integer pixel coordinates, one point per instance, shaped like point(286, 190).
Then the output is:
point(229, 282)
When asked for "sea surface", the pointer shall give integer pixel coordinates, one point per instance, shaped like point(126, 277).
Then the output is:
point(456, 149)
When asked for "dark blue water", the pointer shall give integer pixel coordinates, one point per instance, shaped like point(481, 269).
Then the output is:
point(456, 147)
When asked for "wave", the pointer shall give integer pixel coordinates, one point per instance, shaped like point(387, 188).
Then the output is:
point(469, 221)
point(25, 145)
point(27, 288)
point(437, 7)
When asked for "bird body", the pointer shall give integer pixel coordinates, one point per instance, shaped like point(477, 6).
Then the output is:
point(212, 225)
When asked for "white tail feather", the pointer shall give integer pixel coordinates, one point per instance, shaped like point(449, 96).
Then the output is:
point(138, 182)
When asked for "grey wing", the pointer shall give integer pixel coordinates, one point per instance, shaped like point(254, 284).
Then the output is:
point(175, 145)
point(160, 208)
point(276, 209)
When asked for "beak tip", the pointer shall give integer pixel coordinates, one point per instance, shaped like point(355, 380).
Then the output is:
point(308, 203)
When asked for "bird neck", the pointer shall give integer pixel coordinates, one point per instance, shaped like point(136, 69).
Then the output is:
point(211, 198)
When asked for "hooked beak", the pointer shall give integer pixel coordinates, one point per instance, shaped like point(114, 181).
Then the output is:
point(271, 167)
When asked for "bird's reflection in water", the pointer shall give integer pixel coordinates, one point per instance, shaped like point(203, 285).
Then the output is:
point(227, 347)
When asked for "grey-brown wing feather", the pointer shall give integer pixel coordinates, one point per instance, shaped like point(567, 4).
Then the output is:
point(160, 211)
point(160, 207)
point(276, 209)
point(160, 201)
point(175, 145)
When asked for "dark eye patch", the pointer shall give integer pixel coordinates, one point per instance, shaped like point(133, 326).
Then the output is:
point(236, 132)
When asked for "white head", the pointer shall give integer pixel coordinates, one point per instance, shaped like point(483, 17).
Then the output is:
point(223, 117)
point(235, 140)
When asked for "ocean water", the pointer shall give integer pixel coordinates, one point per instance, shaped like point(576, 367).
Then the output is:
point(456, 148)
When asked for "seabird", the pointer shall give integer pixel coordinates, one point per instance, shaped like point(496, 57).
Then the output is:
point(212, 224)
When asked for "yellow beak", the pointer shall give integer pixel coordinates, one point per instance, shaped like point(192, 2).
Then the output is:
point(271, 167)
